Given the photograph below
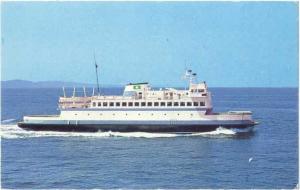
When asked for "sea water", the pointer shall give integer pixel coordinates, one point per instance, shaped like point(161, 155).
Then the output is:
point(263, 157)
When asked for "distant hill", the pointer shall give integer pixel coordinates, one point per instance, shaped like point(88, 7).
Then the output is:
point(41, 84)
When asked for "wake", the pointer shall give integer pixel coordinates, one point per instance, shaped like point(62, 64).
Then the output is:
point(12, 131)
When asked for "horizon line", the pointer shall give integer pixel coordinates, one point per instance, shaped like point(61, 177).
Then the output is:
point(122, 85)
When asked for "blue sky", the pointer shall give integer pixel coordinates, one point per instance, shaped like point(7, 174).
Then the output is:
point(228, 44)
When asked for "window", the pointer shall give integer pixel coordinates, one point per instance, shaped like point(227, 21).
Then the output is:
point(111, 104)
point(143, 103)
point(192, 90)
point(176, 104)
point(182, 103)
point(124, 104)
point(94, 104)
point(105, 104)
point(130, 104)
point(169, 104)
point(204, 94)
point(118, 104)
point(99, 104)
point(162, 103)
point(129, 93)
point(149, 103)
point(136, 103)
point(202, 103)
point(196, 104)
point(155, 103)
point(200, 90)
point(189, 104)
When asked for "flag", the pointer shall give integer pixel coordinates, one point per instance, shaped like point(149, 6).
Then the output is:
point(136, 87)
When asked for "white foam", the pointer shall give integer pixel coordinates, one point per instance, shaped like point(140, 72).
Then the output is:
point(8, 121)
point(13, 132)
point(220, 131)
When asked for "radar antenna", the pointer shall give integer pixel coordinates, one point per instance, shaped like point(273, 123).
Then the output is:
point(190, 76)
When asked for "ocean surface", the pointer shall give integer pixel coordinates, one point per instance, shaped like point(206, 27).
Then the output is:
point(266, 157)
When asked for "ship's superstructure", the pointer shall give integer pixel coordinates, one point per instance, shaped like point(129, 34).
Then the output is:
point(141, 108)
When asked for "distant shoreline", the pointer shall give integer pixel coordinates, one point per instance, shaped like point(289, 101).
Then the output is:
point(47, 84)
point(24, 84)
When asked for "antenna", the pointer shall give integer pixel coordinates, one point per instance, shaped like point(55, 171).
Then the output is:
point(64, 91)
point(74, 91)
point(84, 93)
point(96, 67)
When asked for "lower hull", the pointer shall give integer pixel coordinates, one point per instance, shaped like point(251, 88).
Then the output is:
point(128, 128)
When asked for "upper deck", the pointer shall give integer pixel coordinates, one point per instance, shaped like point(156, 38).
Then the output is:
point(141, 94)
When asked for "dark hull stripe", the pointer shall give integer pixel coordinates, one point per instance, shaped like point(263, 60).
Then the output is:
point(126, 128)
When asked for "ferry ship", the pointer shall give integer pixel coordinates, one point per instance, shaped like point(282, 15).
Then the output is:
point(143, 109)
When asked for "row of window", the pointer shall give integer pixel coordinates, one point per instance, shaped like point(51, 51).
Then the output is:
point(152, 114)
point(197, 90)
point(143, 104)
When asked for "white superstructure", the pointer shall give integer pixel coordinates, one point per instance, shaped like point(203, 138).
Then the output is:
point(140, 105)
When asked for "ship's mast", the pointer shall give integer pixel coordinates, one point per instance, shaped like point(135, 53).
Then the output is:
point(96, 68)
point(190, 76)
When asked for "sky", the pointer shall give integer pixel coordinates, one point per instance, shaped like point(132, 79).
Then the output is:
point(228, 44)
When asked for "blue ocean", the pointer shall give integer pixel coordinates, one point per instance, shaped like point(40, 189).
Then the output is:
point(266, 157)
